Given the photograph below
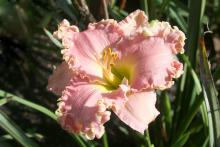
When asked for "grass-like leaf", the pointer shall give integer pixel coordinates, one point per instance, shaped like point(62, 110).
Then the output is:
point(39, 108)
point(105, 140)
point(8, 125)
point(178, 18)
point(193, 73)
point(53, 39)
point(144, 6)
point(193, 32)
point(210, 95)
point(181, 140)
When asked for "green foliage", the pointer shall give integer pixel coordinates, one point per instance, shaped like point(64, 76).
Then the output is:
point(211, 97)
point(7, 124)
point(28, 50)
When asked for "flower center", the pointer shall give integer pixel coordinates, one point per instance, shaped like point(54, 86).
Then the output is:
point(114, 70)
point(108, 60)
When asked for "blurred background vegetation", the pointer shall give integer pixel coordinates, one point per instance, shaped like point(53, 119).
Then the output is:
point(189, 111)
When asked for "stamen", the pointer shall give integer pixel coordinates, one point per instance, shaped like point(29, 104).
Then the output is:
point(107, 61)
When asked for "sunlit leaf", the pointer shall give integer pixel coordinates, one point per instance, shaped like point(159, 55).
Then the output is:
point(53, 39)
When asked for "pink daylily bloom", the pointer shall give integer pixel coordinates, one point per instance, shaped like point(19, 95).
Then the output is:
point(60, 79)
point(114, 66)
point(81, 110)
point(153, 61)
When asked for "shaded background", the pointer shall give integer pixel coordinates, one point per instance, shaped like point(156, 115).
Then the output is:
point(27, 58)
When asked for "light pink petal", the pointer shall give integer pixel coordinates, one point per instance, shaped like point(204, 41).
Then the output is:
point(81, 110)
point(136, 109)
point(134, 23)
point(83, 50)
point(60, 78)
point(172, 36)
point(153, 58)
point(65, 30)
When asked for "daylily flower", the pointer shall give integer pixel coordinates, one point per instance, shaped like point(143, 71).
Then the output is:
point(114, 66)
